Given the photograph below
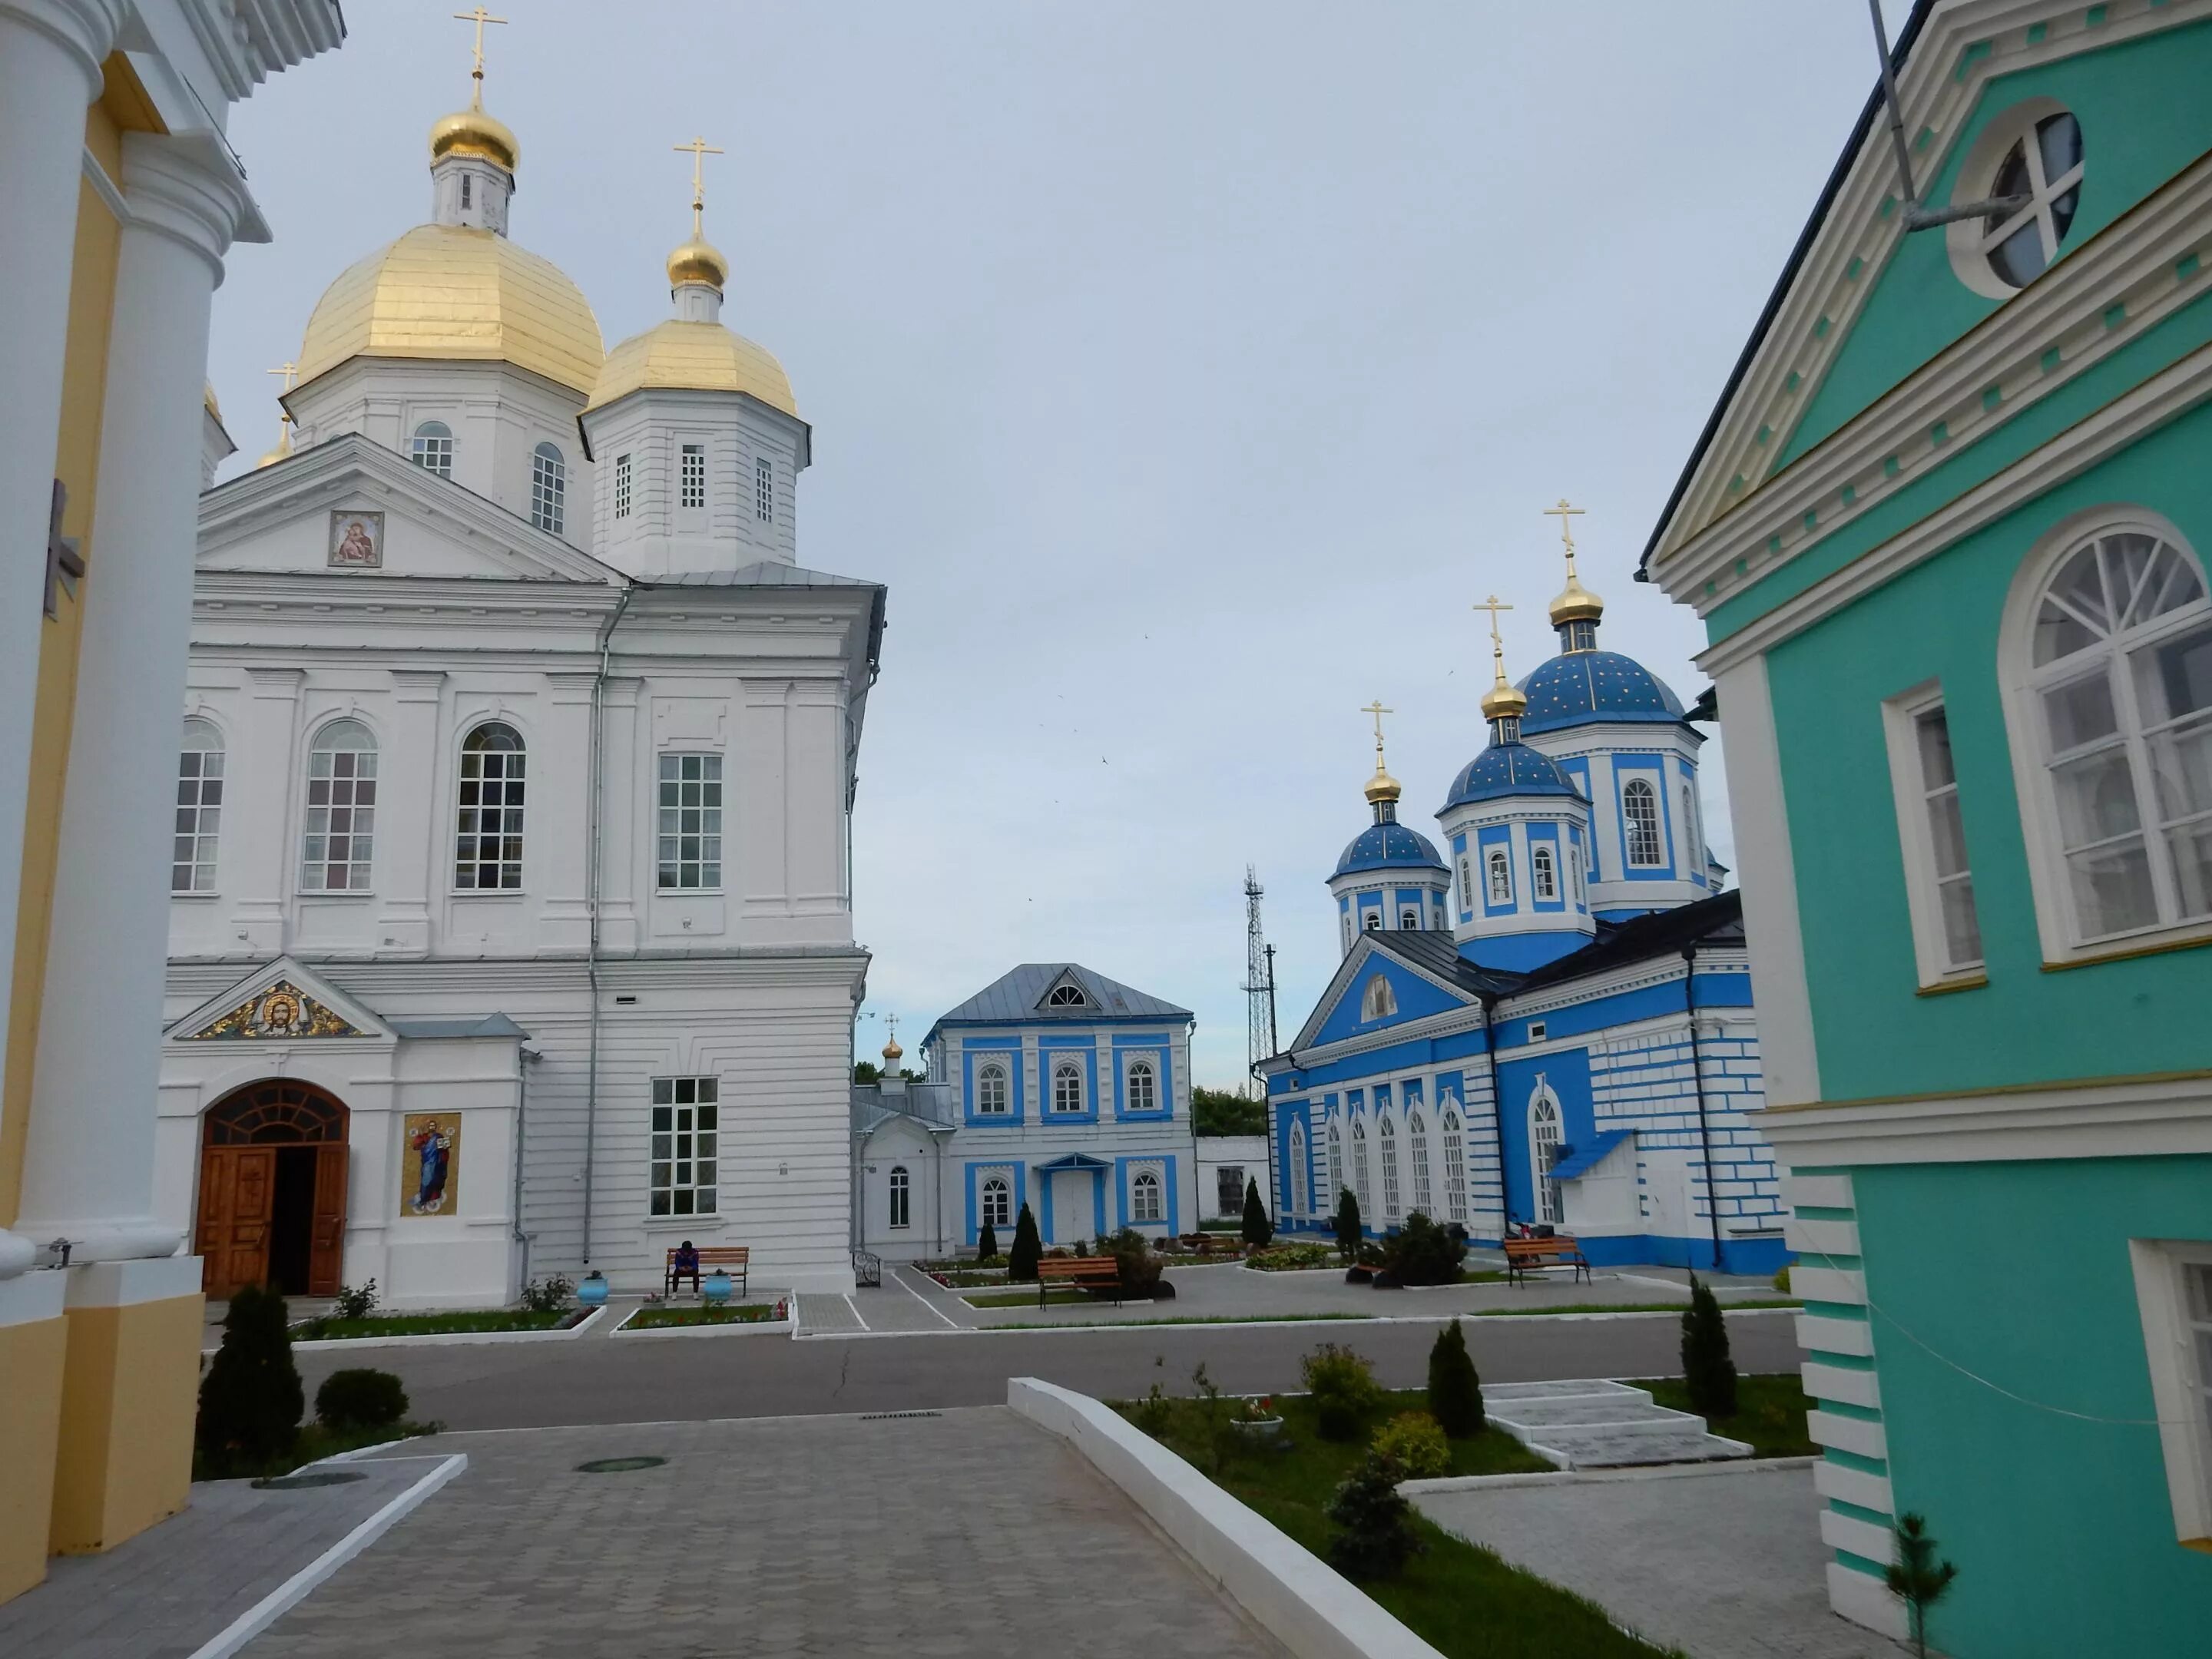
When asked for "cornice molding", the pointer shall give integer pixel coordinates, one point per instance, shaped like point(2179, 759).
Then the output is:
point(85, 29)
point(2158, 1116)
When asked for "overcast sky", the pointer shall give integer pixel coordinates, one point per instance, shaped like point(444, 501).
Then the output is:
point(1187, 371)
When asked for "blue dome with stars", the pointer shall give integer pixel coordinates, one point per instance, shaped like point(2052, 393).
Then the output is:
point(1388, 847)
point(1586, 688)
point(1509, 768)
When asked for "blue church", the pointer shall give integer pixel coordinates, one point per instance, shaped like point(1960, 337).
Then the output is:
point(1548, 1022)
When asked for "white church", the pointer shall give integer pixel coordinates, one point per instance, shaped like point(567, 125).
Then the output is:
point(511, 915)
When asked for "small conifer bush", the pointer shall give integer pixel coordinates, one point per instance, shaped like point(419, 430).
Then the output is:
point(1454, 1389)
point(1376, 1536)
point(251, 1399)
point(359, 1399)
point(1707, 1371)
point(1348, 1233)
point(1342, 1386)
point(986, 1243)
point(1028, 1249)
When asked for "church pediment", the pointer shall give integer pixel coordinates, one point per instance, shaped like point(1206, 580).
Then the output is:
point(281, 1003)
point(1373, 990)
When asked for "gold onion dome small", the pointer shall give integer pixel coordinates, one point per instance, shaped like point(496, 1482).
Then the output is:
point(1503, 702)
point(473, 132)
point(1575, 603)
point(892, 1053)
point(698, 261)
point(282, 452)
point(1381, 788)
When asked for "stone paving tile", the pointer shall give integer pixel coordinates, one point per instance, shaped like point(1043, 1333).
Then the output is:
point(1726, 1563)
point(820, 1311)
point(966, 1532)
point(168, 1591)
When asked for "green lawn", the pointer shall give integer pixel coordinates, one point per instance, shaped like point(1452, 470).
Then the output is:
point(442, 1324)
point(730, 1312)
point(1464, 1600)
point(316, 1441)
point(1770, 1413)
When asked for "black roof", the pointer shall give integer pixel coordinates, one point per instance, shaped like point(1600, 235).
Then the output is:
point(1829, 191)
point(1438, 955)
point(1714, 920)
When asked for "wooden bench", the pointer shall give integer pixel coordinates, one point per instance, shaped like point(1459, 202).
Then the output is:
point(1199, 1243)
point(1524, 1254)
point(1094, 1273)
point(730, 1259)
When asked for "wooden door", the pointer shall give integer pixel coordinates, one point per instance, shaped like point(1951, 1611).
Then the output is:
point(238, 1200)
point(326, 1243)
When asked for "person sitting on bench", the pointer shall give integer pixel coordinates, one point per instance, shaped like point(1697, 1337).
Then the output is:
point(682, 1265)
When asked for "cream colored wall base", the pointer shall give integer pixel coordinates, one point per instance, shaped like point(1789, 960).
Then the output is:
point(33, 1337)
point(131, 1387)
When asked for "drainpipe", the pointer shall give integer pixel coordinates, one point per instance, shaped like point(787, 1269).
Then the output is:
point(524, 1055)
point(1497, 1114)
point(1698, 1072)
point(591, 905)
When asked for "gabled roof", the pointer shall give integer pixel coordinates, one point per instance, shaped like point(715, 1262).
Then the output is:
point(1714, 920)
point(1432, 955)
point(1019, 997)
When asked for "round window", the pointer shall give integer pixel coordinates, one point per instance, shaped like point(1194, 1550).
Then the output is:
point(2030, 161)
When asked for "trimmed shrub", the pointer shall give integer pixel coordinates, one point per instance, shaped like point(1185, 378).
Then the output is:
point(1140, 1269)
point(1781, 1281)
point(1377, 1537)
point(354, 1301)
point(1416, 1443)
point(251, 1399)
point(549, 1294)
point(1423, 1253)
point(1028, 1249)
point(1342, 1386)
point(1707, 1370)
point(986, 1243)
point(1454, 1389)
point(1257, 1231)
point(1348, 1233)
point(359, 1399)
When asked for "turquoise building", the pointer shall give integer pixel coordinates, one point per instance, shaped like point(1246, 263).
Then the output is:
point(1947, 529)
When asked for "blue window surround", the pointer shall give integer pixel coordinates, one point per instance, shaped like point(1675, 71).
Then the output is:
point(1500, 835)
point(973, 1053)
point(1547, 834)
point(1577, 771)
point(1458, 851)
point(1170, 1209)
point(1576, 843)
point(1157, 1050)
point(975, 1185)
point(1298, 1192)
point(1051, 1052)
point(1652, 769)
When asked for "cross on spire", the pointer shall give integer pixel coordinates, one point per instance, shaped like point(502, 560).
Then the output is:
point(1494, 604)
point(1566, 515)
point(700, 149)
point(479, 17)
point(1378, 711)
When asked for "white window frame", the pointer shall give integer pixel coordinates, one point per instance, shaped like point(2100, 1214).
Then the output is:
point(1575, 868)
point(549, 489)
point(984, 1184)
point(704, 865)
point(1543, 865)
point(1146, 1098)
point(764, 490)
point(1349, 935)
point(1916, 802)
point(1295, 1167)
point(1360, 1188)
point(1387, 1133)
point(196, 839)
point(1067, 996)
point(900, 1208)
point(622, 486)
point(1545, 1111)
point(357, 783)
point(989, 1072)
point(1417, 1137)
point(430, 447)
point(1370, 919)
point(2181, 1381)
point(1969, 242)
point(2022, 683)
point(1498, 862)
point(1335, 1165)
point(1466, 884)
point(1694, 855)
point(490, 800)
point(1143, 1181)
point(1632, 836)
point(692, 477)
point(683, 1168)
point(1064, 1071)
point(1455, 1168)
point(1377, 1001)
point(1409, 919)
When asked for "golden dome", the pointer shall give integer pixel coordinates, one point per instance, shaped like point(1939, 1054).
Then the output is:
point(892, 1053)
point(208, 402)
point(473, 132)
point(1502, 703)
point(693, 356)
point(451, 292)
point(698, 262)
point(1575, 603)
point(1381, 788)
point(283, 450)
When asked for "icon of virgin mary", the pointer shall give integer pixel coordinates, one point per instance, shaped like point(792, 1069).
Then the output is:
point(434, 1146)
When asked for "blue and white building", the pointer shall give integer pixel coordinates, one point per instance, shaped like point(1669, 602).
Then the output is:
point(1053, 1086)
point(1547, 1019)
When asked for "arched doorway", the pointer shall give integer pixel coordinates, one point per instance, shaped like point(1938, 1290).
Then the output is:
point(273, 1190)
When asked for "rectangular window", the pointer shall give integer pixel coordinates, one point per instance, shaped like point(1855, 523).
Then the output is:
point(764, 490)
point(1938, 886)
point(337, 851)
point(685, 1132)
point(694, 480)
point(2174, 1293)
point(1229, 1190)
point(690, 822)
point(199, 820)
point(622, 486)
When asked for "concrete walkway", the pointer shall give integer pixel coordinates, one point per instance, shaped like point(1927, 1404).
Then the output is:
point(169, 1590)
point(1723, 1560)
point(954, 1534)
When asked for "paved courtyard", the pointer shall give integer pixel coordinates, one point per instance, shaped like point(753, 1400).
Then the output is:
point(965, 1533)
point(1724, 1561)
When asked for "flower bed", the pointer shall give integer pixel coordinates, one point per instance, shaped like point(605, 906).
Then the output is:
point(730, 1312)
point(332, 1328)
point(1292, 1258)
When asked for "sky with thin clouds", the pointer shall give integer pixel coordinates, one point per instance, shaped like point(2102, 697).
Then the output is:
point(1187, 372)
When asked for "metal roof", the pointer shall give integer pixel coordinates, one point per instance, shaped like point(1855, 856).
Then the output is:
point(1019, 996)
point(1388, 847)
point(765, 573)
point(1439, 954)
point(482, 1025)
point(1714, 920)
point(1585, 688)
point(1508, 769)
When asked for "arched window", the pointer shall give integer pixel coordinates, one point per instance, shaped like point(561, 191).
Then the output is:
point(1639, 806)
point(991, 1094)
point(1335, 1165)
point(433, 448)
point(998, 1205)
point(1409, 919)
point(2116, 692)
point(1377, 999)
point(1144, 1093)
point(549, 489)
point(199, 809)
point(1145, 1203)
point(1575, 867)
point(1501, 877)
point(1466, 884)
point(1547, 874)
point(1068, 1087)
point(1416, 1133)
point(488, 823)
point(1544, 1141)
point(902, 1197)
point(1692, 831)
point(1455, 1168)
point(339, 834)
point(1067, 996)
point(1372, 921)
point(1388, 1136)
point(1347, 930)
point(1294, 1173)
point(1360, 1188)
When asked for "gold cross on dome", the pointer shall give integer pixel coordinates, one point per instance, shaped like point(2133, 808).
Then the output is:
point(1566, 515)
point(479, 17)
point(700, 149)
point(287, 369)
point(1494, 604)
point(1378, 711)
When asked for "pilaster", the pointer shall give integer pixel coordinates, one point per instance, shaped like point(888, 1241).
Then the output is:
point(258, 818)
point(626, 809)
point(408, 843)
point(559, 784)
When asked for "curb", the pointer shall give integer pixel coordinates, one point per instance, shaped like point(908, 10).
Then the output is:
point(732, 1327)
point(449, 1339)
point(1587, 1477)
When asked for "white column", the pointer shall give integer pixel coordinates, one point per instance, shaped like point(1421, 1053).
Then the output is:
point(406, 795)
point(88, 1166)
point(557, 813)
point(50, 56)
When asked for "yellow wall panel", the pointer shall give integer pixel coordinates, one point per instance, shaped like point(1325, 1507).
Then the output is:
point(31, 1385)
